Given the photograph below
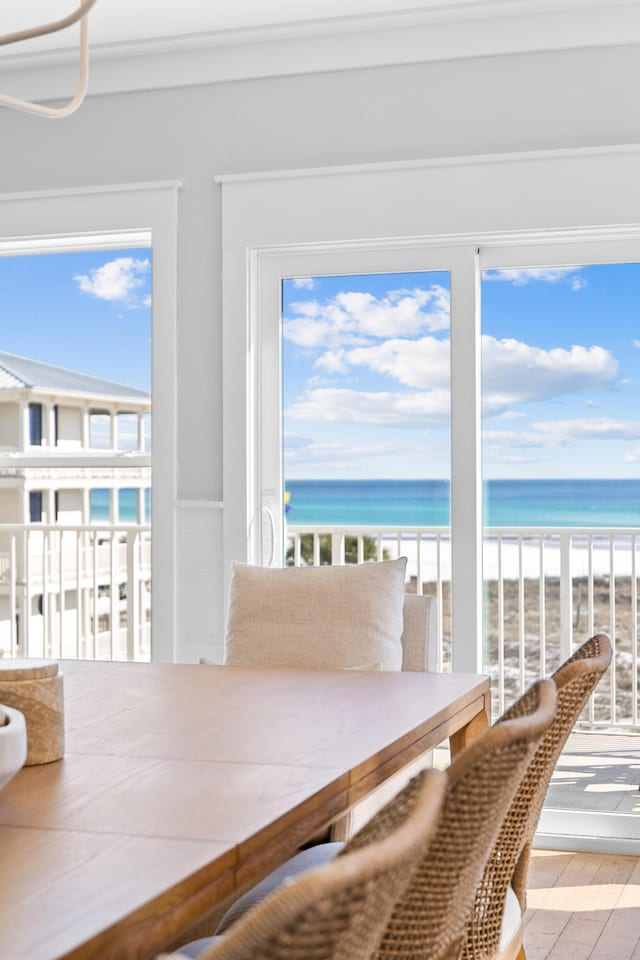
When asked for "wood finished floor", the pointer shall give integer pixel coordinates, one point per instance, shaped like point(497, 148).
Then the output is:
point(582, 906)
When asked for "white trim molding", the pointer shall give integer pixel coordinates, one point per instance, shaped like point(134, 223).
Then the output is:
point(438, 31)
point(316, 218)
point(59, 220)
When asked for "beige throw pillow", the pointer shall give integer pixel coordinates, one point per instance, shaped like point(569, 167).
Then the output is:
point(316, 618)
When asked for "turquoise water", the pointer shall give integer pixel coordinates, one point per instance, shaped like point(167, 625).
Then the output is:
point(127, 505)
point(508, 503)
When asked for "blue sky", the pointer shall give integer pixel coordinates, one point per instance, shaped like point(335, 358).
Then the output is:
point(366, 374)
point(88, 311)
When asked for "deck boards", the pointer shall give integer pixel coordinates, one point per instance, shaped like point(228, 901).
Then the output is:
point(582, 906)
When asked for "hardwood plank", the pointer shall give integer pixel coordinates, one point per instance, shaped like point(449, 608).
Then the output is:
point(583, 906)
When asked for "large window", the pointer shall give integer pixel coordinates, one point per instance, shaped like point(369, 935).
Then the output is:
point(481, 215)
point(108, 232)
point(35, 424)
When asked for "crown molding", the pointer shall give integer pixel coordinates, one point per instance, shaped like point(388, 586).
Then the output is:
point(447, 31)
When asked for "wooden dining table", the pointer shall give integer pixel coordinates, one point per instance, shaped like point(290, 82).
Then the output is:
point(180, 784)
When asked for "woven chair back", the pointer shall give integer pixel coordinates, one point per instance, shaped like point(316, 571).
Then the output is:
point(430, 919)
point(575, 680)
point(338, 911)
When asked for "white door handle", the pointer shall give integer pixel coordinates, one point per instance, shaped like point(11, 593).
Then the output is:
point(272, 534)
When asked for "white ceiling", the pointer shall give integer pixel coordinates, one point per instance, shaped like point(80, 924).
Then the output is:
point(151, 44)
point(117, 21)
point(124, 21)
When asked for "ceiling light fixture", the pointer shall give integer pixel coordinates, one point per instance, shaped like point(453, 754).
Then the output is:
point(27, 106)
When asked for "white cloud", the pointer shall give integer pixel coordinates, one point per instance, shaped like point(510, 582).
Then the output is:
point(515, 372)
point(562, 433)
point(115, 280)
point(420, 363)
point(353, 318)
point(344, 456)
point(341, 405)
point(293, 441)
point(518, 277)
point(633, 457)
point(304, 283)
point(508, 458)
point(636, 343)
point(333, 361)
point(511, 415)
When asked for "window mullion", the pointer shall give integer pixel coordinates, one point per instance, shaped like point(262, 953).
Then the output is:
point(466, 472)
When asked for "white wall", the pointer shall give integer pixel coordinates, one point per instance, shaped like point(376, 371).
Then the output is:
point(498, 104)
point(9, 426)
point(69, 428)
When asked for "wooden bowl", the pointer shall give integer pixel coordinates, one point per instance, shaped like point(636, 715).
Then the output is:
point(34, 687)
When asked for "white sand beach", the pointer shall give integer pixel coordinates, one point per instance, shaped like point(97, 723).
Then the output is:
point(511, 556)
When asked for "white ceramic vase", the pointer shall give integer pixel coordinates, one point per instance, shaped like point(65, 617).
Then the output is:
point(13, 744)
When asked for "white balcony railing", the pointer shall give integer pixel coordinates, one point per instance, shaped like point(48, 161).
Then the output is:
point(75, 591)
point(546, 591)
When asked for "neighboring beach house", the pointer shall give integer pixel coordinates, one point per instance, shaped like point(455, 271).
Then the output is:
point(70, 444)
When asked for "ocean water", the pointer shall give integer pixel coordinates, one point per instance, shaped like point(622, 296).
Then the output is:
point(127, 505)
point(507, 503)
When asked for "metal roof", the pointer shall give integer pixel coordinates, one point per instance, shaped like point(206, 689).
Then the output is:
point(23, 373)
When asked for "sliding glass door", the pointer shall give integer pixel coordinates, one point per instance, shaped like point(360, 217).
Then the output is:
point(354, 415)
point(561, 447)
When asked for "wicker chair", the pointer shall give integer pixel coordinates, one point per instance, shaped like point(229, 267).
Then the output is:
point(338, 911)
point(430, 919)
point(495, 932)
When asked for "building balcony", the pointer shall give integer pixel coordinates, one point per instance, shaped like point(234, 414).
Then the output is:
point(72, 591)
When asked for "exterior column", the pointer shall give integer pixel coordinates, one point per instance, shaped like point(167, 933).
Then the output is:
point(26, 512)
point(25, 427)
point(114, 430)
point(50, 506)
point(113, 506)
point(142, 504)
point(86, 636)
point(86, 429)
point(86, 505)
point(49, 424)
point(141, 432)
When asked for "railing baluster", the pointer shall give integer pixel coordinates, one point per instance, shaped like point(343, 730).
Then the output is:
point(592, 699)
point(566, 597)
point(612, 627)
point(13, 607)
point(521, 623)
point(79, 591)
point(634, 633)
point(337, 548)
point(94, 653)
point(542, 612)
point(114, 596)
point(26, 625)
point(500, 628)
point(439, 610)
point(46, 626)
